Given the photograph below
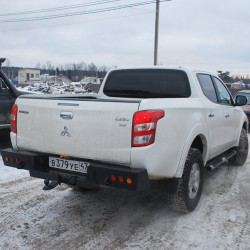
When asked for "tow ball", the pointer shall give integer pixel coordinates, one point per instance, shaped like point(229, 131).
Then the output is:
point(50, 184)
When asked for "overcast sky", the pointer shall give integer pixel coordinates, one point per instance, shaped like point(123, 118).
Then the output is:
point(208, 34)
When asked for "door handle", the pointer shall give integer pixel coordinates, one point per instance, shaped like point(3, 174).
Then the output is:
point(227, 115)
point(211, 115)
point(66, 115)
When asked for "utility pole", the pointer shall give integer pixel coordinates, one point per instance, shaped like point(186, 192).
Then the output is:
point(156, 31)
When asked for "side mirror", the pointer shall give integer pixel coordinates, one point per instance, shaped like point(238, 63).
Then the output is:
point(240, 100)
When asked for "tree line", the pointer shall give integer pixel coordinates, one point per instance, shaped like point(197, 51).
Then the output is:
point(74, 71)
point(225, 77)
point(77, 71)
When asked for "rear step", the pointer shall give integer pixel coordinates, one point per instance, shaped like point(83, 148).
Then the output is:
point(213, 164)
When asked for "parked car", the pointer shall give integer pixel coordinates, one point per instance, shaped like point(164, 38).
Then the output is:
point(246, 108)
point(91, 80)
point(238, 85)
point(8, 95)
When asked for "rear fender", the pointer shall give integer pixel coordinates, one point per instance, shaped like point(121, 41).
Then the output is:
point(197, 130)
point(13, 140)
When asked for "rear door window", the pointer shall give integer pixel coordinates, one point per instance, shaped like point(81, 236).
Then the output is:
point(147, 83)
point(207, 87)
point(223, 94)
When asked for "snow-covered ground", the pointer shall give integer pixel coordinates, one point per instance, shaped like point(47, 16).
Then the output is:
point(31, 218)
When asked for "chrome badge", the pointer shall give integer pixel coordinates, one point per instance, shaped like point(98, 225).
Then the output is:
point(121, 119)
point(65, 132)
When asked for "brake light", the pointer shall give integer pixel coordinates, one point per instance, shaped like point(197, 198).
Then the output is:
point(129, 181)
point(121, 179)
point(144, 127)
point(113, 178)
point(13, 119)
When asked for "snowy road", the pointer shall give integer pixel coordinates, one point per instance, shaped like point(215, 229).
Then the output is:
point(31, 218)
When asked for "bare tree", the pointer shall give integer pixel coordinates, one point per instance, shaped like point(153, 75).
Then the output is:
point(83, 66)
point(38, 65)
point(50, 67)
point(92, 69)
point(7, 62)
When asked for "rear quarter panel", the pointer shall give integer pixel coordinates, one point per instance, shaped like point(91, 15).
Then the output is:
point(183, 117)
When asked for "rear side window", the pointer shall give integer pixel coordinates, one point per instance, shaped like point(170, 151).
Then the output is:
point(148, 83)
point(223, 94)
point(207, 87)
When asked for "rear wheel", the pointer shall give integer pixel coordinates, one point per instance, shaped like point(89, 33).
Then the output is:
point(190, 187)
point(242, 150)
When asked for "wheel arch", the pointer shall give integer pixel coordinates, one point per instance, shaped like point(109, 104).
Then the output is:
point(196, 139)
point(244, 125)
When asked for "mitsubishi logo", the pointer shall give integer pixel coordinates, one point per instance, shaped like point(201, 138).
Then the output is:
point(65, 132)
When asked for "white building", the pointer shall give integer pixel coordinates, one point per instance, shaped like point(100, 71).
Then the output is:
point(28, 75)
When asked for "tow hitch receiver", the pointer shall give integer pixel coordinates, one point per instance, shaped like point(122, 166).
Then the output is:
point(50, 184)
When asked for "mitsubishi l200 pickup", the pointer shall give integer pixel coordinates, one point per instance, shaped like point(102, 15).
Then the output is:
point(146, 124)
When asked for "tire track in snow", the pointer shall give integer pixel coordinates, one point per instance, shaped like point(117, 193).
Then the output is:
point(244, 198)
point(228, 179)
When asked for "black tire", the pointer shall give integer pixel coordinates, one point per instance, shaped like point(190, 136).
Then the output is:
point(190, 187)
point(242, 150)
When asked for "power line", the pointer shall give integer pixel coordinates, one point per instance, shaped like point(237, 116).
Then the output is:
point(79, 12)
point(59, 8)
point(89, 21)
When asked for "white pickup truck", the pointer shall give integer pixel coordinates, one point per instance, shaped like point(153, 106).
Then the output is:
point(150, 124)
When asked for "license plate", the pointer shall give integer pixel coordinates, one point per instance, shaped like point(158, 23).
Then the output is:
point(71, 165)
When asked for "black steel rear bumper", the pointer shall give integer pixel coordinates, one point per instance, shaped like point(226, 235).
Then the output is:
point(99, 173)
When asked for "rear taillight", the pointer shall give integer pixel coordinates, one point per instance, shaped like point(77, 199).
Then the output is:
point(13, 119)
point(120, 180)
point(144, 127)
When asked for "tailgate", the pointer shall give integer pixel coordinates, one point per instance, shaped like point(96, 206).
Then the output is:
point(90, 129)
